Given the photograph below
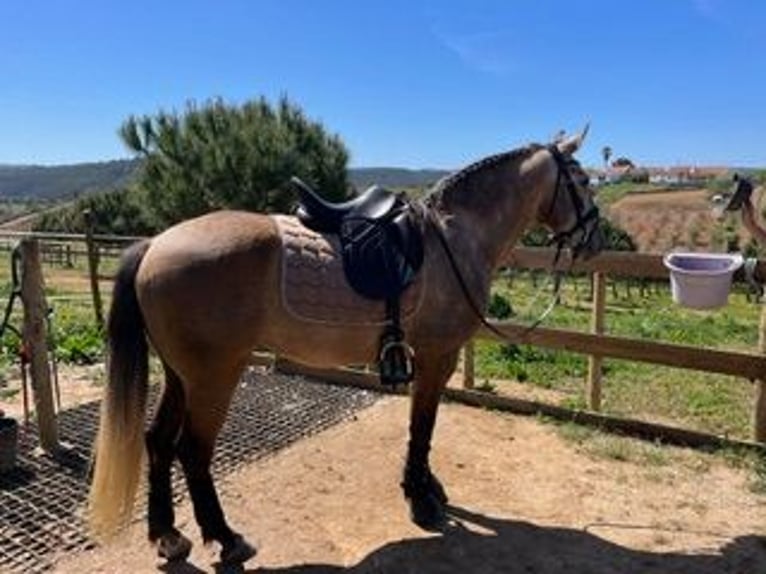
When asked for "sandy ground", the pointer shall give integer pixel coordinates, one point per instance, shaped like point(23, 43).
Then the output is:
point(523, 500)
point(690, 199)
point(661, 221)
point(77, 385)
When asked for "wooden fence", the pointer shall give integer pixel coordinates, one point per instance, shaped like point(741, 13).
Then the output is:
point(750, 366)
point(597, 344)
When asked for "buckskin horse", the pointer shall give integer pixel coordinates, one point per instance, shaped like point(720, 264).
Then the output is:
point(208, 291)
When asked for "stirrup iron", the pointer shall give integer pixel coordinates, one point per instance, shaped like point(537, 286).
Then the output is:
point(395, 361)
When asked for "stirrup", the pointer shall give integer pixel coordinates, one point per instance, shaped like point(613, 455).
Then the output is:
point(395, 362)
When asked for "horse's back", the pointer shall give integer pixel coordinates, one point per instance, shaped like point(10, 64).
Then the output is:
point(211, 236)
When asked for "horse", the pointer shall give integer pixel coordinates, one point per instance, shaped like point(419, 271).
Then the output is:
point(205, 293)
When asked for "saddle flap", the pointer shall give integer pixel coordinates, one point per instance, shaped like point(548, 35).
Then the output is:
point(381, 256)
point(314, 283)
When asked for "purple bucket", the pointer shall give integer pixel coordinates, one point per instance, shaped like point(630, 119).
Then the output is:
point(701, 280)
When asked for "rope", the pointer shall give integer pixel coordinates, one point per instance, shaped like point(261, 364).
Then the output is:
point(24, 355)
point(15, 293)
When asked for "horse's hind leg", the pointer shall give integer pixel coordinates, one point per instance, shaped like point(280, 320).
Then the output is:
point(207, 410)
point(424, 491)
point(161, 440)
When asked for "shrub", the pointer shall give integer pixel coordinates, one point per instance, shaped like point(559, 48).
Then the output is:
point(499, 307)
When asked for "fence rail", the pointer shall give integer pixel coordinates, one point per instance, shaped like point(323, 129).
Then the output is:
point(596, 344)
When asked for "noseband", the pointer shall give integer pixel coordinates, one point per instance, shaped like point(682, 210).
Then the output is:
point(584, 216)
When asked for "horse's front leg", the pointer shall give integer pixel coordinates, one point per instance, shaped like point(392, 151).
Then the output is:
point(423, 490)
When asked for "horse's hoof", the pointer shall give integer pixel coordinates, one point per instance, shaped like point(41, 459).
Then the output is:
point(428, 512)
point(174, 547)
point(237, 552)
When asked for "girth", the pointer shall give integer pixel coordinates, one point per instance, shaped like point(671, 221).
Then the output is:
point(382, 251)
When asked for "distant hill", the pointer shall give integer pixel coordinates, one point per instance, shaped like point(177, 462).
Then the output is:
point(64, 181)
point(362, 177)
point(31, 182)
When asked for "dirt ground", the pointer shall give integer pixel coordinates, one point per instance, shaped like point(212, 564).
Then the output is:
point(661, 221)
point(523, 500)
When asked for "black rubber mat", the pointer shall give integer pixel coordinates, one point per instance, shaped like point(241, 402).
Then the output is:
point(41, 500)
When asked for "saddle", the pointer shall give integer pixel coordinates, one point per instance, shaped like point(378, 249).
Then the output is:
point(382, 251)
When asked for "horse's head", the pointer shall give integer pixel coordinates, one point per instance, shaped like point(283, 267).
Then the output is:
point(568, 208)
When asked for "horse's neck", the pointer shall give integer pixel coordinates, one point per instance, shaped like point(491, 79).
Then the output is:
point(484, 221)
point(477, 244)
point(487, 235)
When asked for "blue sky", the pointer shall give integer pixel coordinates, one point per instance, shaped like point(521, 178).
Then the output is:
point(404, 83)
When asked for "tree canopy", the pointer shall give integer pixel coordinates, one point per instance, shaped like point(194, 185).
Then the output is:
point(218, 155)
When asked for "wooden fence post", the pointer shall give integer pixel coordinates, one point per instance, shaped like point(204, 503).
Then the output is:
point(597, 328)
point(92, 249)
point(759, 412)
point(468, 365)
point(35, 337)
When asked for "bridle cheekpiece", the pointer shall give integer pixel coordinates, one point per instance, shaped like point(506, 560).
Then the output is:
point(585, 218)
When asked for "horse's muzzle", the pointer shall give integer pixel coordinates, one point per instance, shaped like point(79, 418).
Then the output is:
point(593, 244)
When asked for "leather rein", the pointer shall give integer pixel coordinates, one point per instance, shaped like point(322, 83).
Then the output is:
point(560, 239)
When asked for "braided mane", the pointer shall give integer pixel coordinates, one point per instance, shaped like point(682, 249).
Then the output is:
point(448, 186)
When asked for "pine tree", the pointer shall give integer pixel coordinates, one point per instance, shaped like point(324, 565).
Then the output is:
point(218, 156)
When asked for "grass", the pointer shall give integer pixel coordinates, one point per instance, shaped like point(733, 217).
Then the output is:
point(71, 324)
point(7, 394)
point(652, 457)
point(704, 401)
point(613, 192)
point(602, 445)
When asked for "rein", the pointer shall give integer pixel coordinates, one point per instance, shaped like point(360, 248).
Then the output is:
point(459, 276)
point(467, 294)
point(560, 239)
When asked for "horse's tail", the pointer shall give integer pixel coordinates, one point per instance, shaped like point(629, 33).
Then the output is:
point(120, 441)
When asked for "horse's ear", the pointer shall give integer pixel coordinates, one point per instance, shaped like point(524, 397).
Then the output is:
point(571, 144)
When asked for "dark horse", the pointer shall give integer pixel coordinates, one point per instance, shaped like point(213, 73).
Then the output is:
point(208, 291)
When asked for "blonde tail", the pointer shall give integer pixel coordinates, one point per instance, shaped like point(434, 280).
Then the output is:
point(120, 441)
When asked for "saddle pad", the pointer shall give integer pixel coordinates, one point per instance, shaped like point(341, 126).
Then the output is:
point(314, 286)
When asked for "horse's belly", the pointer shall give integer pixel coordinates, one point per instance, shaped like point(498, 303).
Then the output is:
point(325, 345)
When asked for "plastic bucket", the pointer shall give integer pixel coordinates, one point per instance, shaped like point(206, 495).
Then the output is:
point(9, 438)
point(701, 280)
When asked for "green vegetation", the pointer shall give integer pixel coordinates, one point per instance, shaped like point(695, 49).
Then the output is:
point(13, 208)
point(214, 156)
point(76, 337)
point(218, 156)
point(124, 212)
point(604, 445)
point(654, 457)
point(715, 403)
point(613, 192)
point(72, 329)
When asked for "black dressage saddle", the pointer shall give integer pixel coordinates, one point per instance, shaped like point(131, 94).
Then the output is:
point(382, 250)
point(380, 238)
point(321, 215)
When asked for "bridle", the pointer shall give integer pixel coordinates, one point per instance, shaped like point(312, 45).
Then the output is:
point(586, 219)
point(560, 239)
